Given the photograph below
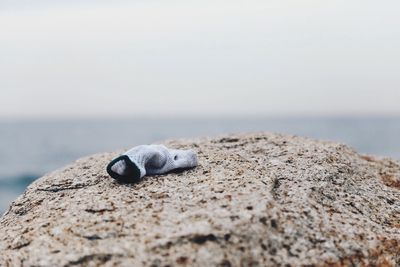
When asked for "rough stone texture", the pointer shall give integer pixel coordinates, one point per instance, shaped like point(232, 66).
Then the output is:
point(255, 200)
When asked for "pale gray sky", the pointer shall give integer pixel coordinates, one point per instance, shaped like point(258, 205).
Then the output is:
point(274, 57)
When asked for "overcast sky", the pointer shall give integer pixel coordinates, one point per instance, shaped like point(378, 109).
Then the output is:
point(132, 58)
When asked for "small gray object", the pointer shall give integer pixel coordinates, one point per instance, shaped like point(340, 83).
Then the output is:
point(149, 160)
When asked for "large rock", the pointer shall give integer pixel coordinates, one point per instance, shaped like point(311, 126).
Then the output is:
point(255, 200)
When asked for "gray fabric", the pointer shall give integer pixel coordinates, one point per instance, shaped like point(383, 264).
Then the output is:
point(156, 159)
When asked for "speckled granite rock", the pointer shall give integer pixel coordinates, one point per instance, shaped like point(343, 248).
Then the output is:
point(255, 200)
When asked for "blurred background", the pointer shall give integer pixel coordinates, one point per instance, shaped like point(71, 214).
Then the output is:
point(81, 77)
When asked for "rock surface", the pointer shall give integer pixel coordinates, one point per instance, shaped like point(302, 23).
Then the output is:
point(255, 200)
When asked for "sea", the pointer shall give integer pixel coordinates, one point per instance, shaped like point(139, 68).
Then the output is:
point(32, 148)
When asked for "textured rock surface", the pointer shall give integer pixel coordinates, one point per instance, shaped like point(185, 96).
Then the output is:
point(255, 200)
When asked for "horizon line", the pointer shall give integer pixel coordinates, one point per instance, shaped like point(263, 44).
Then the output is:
point(202, 116)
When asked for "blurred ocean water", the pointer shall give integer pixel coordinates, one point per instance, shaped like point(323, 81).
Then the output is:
point(29, 149)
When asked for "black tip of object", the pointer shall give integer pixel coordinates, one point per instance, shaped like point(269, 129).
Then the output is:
point(132, 173)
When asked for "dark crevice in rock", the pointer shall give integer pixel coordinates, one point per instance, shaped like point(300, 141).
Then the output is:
point(90, 210)
point(274, 223)
point(228, 140)
point(317, 241)
point(275, 188)
point(20, 243)
point(55, 189)
point(92, 237)
point(68, 185)
point(201, 239)
point(351, 204)
point(289, 252)
point(97, 258)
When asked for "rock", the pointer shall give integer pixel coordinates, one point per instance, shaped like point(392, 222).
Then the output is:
point(254, 200)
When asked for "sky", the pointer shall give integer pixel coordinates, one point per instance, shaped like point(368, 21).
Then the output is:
point(185, 58)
